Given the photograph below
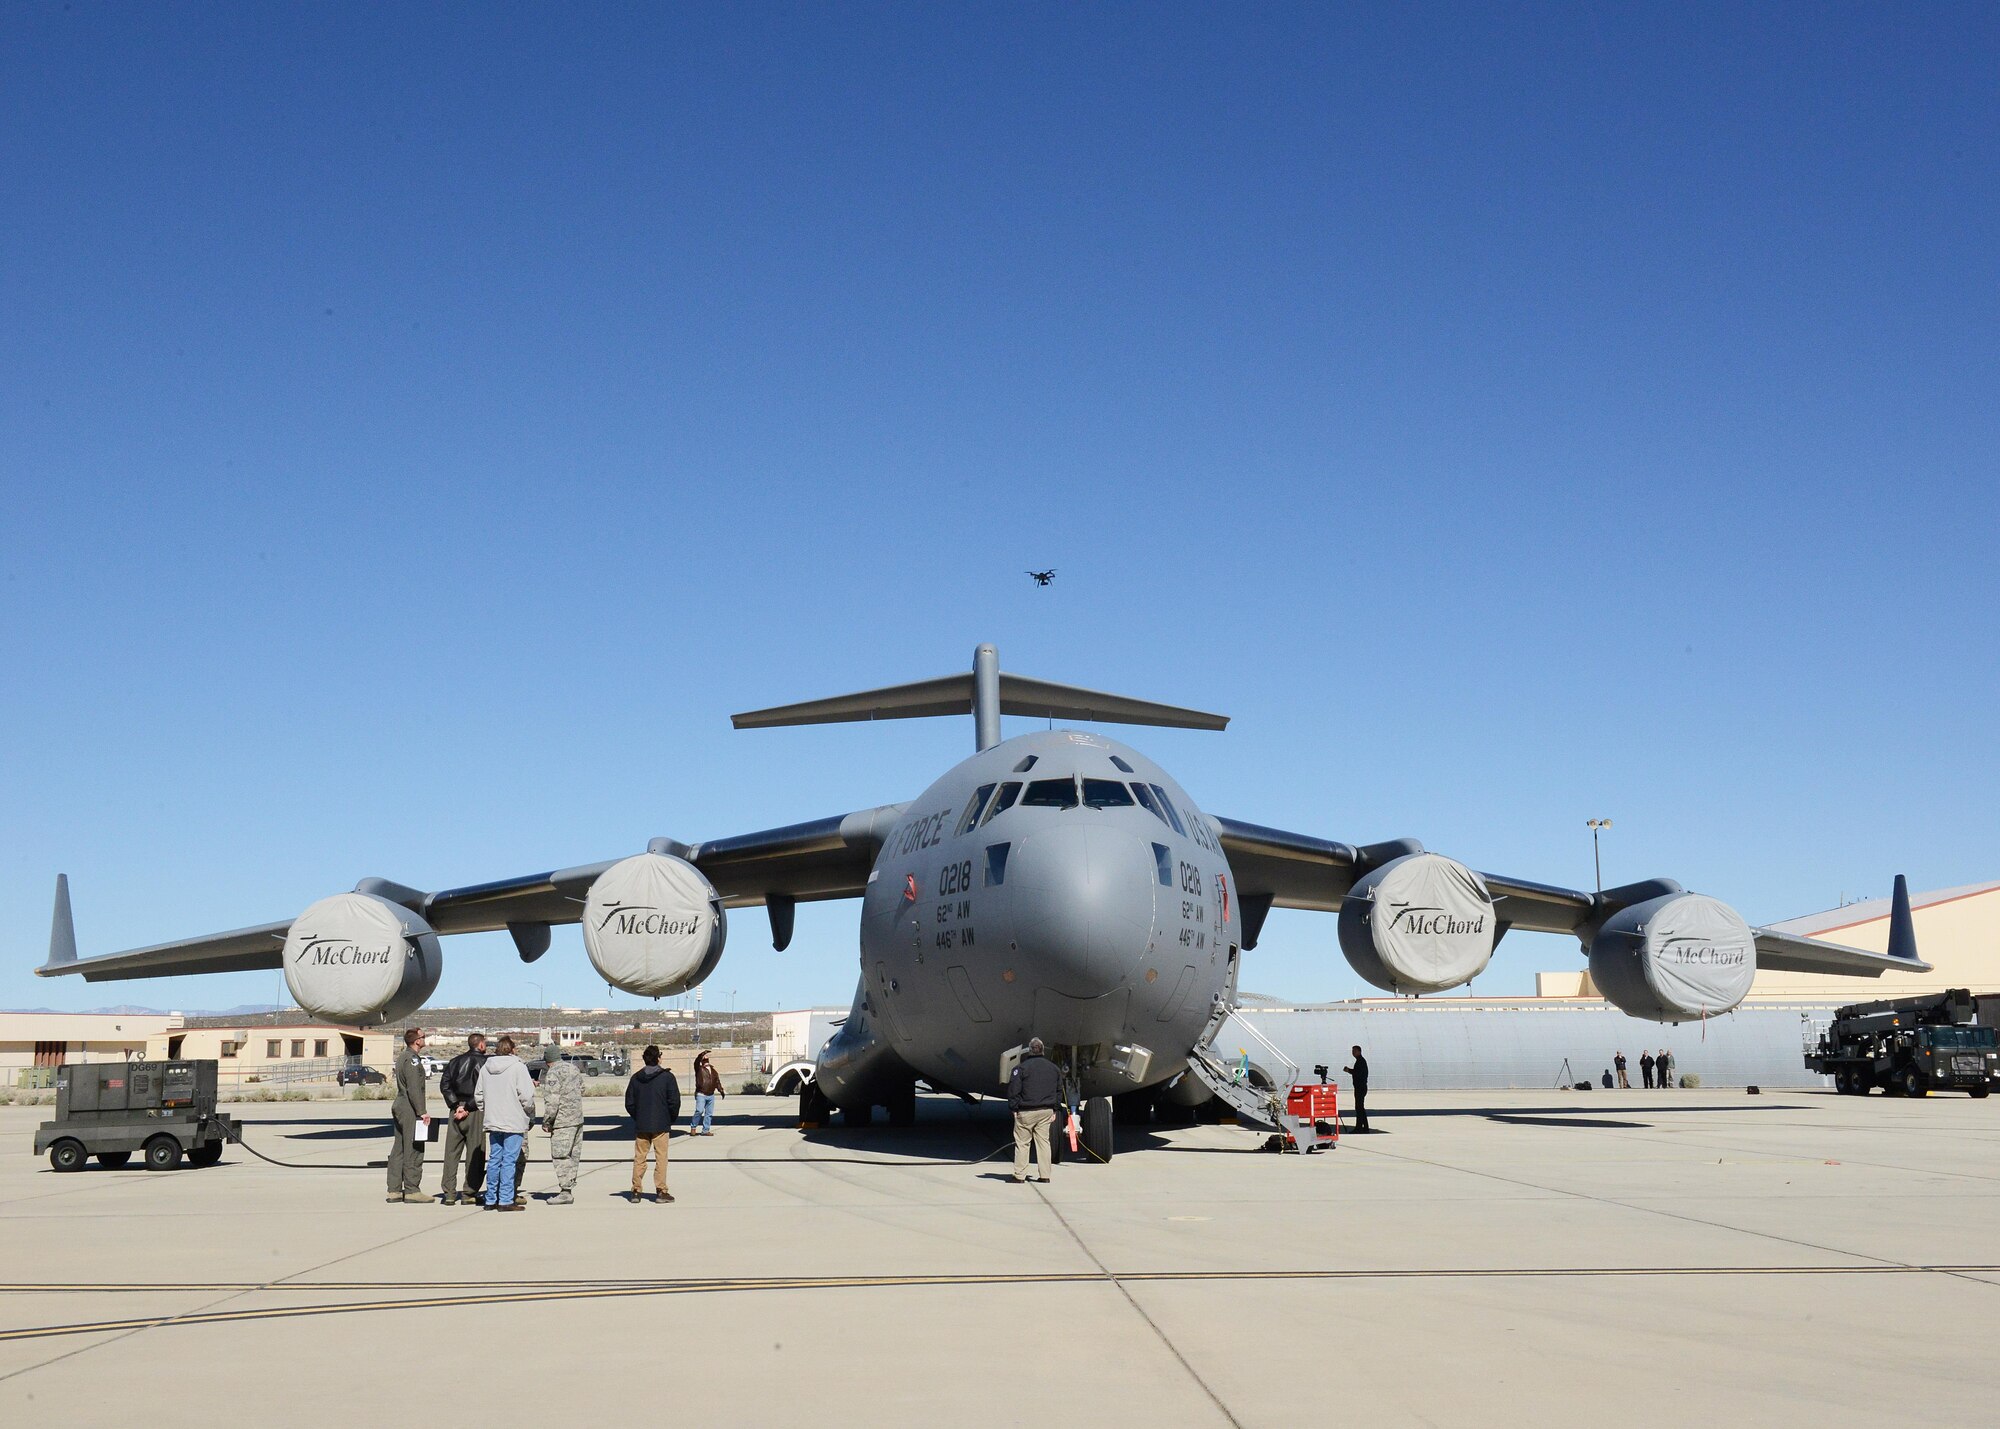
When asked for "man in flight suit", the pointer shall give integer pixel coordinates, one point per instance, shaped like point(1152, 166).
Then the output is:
point(406, 1152)
point(562, 1118)
point(465, 1133)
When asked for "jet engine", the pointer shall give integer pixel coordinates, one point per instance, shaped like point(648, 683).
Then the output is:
point(1419, 923)
point(1674, 958)
point(653, 925)
point(361, 959)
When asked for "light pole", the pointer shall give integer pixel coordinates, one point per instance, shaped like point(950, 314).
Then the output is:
point(1596, 825)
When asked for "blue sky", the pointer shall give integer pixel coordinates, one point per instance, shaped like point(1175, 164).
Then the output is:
point(422, 426)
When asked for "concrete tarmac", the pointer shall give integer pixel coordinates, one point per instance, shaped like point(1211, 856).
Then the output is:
point(1556, 1258)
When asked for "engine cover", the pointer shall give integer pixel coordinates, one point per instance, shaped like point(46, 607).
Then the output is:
point(1674, 958)
point(361, 959)
point(1419, 923)
point(653, 925)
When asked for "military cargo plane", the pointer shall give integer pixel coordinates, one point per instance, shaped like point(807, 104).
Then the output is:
point(1057, 885)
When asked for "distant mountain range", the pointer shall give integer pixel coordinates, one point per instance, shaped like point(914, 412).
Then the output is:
point(126, 1009)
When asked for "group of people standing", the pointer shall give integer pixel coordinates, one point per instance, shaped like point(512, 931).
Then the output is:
point(490, 1101)
point(1655, 1070)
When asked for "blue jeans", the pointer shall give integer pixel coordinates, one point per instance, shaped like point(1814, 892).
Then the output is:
point(704, 1112)
point(503, 1149)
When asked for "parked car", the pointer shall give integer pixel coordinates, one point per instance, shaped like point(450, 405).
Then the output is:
point(358, 1076)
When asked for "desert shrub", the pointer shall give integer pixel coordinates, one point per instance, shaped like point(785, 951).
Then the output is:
point(1691, 1079)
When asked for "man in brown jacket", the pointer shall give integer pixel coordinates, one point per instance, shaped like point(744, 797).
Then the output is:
point(707, 1087)
point(408, 1115)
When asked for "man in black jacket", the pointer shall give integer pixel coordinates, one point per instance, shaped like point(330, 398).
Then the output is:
point(1034, 1092)
point(1359, 1073)
point(465, 1128)
point(653, 1101)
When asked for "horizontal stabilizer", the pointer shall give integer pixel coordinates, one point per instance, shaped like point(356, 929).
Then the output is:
point(952, 695)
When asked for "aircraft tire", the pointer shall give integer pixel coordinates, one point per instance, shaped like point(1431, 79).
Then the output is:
point(813, 1105)
point(903, 1106)
point(1097, 1128)
point(859, 1115)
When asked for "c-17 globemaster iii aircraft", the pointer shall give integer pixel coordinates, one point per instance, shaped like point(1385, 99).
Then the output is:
point(1057, 885)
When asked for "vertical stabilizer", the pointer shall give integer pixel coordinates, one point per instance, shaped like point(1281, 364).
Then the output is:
point(986, 697)
point(1902, 928)
point(62, 929)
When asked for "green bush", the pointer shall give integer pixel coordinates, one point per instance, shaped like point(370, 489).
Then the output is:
point(1691, 1079)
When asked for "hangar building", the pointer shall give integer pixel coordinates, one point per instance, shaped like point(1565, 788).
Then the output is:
point(1568, 1033)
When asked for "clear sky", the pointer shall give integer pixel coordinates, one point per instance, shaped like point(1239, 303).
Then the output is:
point(421, 426)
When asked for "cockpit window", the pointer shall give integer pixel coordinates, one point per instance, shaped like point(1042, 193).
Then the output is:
point(1173, 814)
point(1105, 794)
point(1146, 802)
point(1163, 865)
point(972, 808)
point(1026, 764)
point(1050, 794)
point(1003, 800)
point(1122, 764)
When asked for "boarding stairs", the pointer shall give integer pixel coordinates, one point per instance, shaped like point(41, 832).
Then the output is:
point(1258, 1103)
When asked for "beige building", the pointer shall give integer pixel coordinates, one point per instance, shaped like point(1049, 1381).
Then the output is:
point(45, 1040)
point(300, 1052)
point(1958, 934)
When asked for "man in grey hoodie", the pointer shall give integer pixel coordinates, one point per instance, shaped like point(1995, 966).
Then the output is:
point(506, 1097)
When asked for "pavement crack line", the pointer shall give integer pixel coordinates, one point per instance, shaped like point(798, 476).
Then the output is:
point(1111, 1275)
point(543, 1292)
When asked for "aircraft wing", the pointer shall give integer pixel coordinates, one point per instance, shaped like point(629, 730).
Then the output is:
point(799, 863)
point(1277, 868)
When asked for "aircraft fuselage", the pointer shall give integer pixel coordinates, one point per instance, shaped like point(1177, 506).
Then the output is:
point(1058, 885)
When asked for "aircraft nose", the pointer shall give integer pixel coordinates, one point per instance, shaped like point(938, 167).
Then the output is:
point(1083, 905)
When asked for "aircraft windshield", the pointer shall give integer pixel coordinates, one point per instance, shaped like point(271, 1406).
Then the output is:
point(973, 806)
point(1003, 800)
point(1050, 794)
point(1105, 794)
point(1146, 802)
point(1173, 814)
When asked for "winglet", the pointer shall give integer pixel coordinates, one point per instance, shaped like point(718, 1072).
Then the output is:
point(62, 928)
point(1902, 928)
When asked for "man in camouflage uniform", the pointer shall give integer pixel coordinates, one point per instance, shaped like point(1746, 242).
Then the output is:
point(562, 1117)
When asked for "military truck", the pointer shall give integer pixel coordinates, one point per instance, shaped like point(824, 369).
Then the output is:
point(1908, 1045)
point(165, 1110)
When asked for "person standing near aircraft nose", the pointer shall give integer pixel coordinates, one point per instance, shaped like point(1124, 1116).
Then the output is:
point(465, 1133)
point(1663, 1068)
point(1033, 1093)
point(562, 1116)
point(1646, 1068)
point(653, 1101)
point(506, 1094)
point(1623, 1081)
point(1359, 1072)
point(406, 1152)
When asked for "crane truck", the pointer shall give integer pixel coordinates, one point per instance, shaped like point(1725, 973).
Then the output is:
point(1908, 1045)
